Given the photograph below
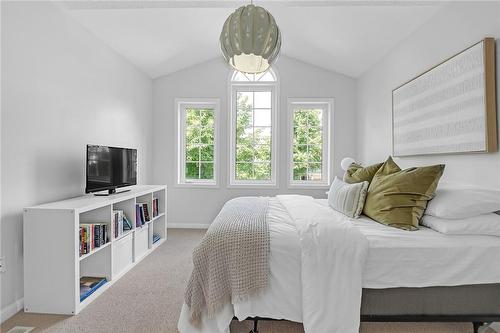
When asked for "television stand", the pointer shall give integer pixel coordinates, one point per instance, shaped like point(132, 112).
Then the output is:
point(52, 246)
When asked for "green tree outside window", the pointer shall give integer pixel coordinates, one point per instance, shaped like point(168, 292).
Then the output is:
point(199, 143)
point(307, 144)
point(253, 136)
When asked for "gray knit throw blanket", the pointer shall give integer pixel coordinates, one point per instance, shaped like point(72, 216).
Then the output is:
point(232, 261)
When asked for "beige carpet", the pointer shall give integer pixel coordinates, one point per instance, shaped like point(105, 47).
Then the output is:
point(148, 299)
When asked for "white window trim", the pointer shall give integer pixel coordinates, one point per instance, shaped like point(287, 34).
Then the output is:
point(327, 151)
point(235, 86)
point(180, 105)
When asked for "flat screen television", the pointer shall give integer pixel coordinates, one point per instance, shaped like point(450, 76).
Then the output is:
point(109, 168)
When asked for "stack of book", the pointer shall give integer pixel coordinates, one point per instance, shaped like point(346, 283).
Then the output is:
point(92, 236)
point(155, 207)
point(121, 223)
point(141, 214)
point(156, 238)
point(90, 284)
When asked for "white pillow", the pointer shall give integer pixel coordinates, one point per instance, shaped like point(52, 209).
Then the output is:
point(457, 203)
point(348, 199)
point(486, 224)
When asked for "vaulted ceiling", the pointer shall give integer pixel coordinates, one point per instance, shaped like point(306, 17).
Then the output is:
point(161, 37)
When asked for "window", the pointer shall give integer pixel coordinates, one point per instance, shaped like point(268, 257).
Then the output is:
point(197, 141)
point(309, 128)
point(253, 129)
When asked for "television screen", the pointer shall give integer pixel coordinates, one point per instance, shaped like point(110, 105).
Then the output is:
point(110, 167)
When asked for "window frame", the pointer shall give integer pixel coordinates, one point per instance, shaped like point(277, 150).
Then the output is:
point(234, 87)
point(181, 104)
point(327, 105)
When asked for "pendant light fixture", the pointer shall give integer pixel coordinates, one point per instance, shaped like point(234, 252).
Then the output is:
point(250, 39)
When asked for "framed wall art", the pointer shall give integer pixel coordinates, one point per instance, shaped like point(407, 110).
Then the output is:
point(449, 109)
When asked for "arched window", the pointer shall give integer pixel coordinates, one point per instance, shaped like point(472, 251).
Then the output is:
point(267, 76)
point(253, 144)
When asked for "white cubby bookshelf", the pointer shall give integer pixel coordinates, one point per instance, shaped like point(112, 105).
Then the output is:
point(53, 265)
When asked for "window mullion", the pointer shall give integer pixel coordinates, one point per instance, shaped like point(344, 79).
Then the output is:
point(253, 131)
point(199, 153)
point(323, 145)
point(199, 144)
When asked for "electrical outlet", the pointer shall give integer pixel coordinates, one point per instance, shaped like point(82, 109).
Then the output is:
point(2, 264)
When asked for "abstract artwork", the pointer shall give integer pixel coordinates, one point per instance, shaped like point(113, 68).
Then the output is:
point(450, 108)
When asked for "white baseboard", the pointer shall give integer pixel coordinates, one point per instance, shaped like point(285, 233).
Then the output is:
point(11, 310)
point(187, 225)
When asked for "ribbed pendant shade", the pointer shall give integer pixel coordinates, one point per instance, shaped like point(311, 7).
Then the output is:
point(250, 39)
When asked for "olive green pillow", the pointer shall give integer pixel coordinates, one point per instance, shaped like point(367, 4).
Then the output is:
point(356, 173)
point(398, 198)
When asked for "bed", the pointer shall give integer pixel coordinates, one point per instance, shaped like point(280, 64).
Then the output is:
point(407, 276)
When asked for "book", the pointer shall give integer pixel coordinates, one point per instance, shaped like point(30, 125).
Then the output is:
point(127, 225)
point(145, 212)
point(97, 235)
point(89, 285)
point(142, 215)
point(120, 223)
point(80, 233)
point(115, 224)
point(118, 218)
point(91, 237)
point(156, 238)
point(100, 237)
point(155, 207)
point(87, 238)
point(84, 239)
point(138, 221)
point(104, 233)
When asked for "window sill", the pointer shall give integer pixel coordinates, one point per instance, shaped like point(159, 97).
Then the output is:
point(314, 186)
point(197, 185)
point(253, 185)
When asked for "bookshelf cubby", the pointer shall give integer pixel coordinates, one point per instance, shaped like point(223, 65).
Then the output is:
point(53, 265)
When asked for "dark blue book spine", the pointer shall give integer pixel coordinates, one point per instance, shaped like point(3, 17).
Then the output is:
point(97, 235)
point(137, 216)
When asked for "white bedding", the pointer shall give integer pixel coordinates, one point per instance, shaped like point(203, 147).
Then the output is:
point(395, 258)
point(425, 258)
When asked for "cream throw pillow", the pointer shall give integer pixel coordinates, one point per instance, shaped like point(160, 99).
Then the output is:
point(348, 199)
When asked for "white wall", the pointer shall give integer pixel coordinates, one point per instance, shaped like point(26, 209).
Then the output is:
point(61, 89)
point(210, 79)
point(455, 27)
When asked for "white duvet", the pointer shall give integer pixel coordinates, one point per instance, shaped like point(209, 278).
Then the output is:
point(322, 289)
